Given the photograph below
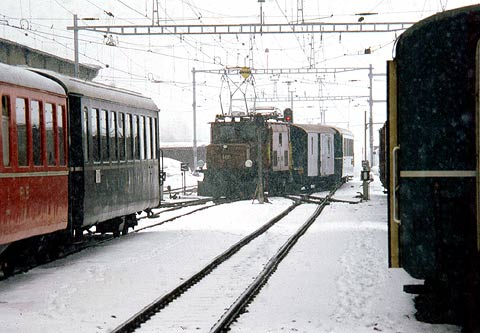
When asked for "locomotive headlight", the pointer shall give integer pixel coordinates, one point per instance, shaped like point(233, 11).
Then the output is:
point(248, 163)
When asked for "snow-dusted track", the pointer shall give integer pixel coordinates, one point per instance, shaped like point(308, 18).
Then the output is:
point(182, 209)
point(215, 296)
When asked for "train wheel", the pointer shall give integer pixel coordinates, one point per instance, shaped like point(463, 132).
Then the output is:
point(125, 229)
point(118, 230)
point(7, 267)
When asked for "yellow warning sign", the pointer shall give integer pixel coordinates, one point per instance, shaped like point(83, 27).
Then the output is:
point(245, 72)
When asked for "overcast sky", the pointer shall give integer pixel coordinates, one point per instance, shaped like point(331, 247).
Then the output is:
point(135, 62)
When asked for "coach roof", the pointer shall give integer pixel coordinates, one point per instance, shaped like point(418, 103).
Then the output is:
point(315, 128)
point(99, 91)
point(21, 77)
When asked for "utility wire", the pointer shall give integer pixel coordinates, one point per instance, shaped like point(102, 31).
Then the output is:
point(133, 9)
point(296, 37)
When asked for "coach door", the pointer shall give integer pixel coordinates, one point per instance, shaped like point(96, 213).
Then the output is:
point(326, 158)
point(393, 221)
point(280, 148)
point(312, 154)
point(477, 133)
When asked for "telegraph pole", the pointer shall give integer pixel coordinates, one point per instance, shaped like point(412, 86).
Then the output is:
point(370, 103)
point(370, 121)
point(194, 105)
point(75, 45)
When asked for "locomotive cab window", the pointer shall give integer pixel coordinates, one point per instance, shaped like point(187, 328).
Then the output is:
point(6, 130)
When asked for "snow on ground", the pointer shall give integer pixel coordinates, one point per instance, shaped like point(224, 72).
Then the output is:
point(335, 279)
point(174, 175)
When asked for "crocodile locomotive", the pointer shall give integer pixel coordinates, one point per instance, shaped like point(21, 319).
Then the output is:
point(289, 157)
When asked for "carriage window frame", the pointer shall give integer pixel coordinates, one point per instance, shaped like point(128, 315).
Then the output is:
point(86, 135)
point(61, 130)
point(50, 133)
point(154, 138)
point(95, 133)
point(129, 137)
point(36, 127)
point(121, 136)
point(104, 137)
point(148, 138)
point(113, 135)
point(141, 135)
point(21, 119)
point(5, 129)
point(135, 136)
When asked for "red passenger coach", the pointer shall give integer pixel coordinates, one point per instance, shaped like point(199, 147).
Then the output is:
point(33, 150)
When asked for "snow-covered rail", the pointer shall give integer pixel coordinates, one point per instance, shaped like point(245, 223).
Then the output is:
point(31, 260)
point(224, 288)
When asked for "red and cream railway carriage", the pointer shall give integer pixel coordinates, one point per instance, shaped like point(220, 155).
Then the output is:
point(33, 168)
point(75, 155)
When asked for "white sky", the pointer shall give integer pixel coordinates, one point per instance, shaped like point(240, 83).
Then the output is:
point(170, 59)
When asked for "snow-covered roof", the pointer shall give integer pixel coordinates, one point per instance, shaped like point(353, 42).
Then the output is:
point(21, 77)
point(344, 132)
point(315, 128)
point(99, 91)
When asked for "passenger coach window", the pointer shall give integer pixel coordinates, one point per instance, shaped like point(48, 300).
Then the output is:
point(36, 132)
point(121, 136)
point(136, 141)
point(103, 136)
point(61, 134)
point(21, 120)
point(95, 135)
point(86, 134)
point(141, 135)
point(113, 130)
point(129, 137)
point(155, 136)
point(49, 126)
point(6, 130)
point(148, 138)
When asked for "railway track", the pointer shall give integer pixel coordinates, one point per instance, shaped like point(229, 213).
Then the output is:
point(216, 295)
point(93, 240)
point(185, 205)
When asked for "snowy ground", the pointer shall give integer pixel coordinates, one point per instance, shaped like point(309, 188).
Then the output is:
point(335, 279)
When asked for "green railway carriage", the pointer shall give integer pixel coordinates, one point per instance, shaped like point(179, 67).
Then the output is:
point(433, 142)
point(114, 154)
